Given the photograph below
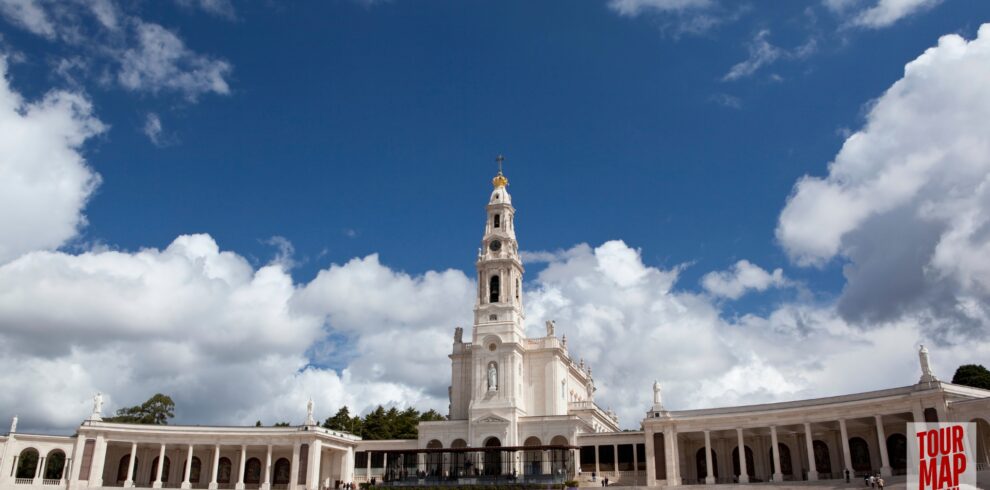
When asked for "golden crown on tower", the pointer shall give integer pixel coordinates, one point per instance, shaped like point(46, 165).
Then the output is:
point(500, 180)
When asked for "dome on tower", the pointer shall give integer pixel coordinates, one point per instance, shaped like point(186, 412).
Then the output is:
point(500, 195)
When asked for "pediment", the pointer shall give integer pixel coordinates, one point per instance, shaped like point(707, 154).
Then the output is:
point(490, 419)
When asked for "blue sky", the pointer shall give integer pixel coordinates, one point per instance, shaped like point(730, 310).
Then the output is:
point(351, 128)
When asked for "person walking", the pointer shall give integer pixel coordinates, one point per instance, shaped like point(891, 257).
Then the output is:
point(880, 483)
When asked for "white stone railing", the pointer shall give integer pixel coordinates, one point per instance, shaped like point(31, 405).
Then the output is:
point(52, 483)
point(24, 481)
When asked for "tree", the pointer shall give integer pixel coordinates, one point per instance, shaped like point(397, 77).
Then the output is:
point(156, 411)
point(343, 421)
point(257, 424)
point(281, 424)
point(431, 415)
point(974, 375)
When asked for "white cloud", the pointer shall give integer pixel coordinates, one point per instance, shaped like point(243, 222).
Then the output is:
point(743, 277)
point(153, 128)
point(220, 8)
point(44, 178)
point(161, 61)
point(883, 13)
point(30, 15)
point(906, 200)
point(763, 53)
point(633, 8)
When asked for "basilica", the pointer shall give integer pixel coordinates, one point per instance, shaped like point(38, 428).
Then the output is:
point(521, 411)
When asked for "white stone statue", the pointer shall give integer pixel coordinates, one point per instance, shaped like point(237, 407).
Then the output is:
point(459, 335)
point(492, 377)
point(309, 413)
point(550, 326)
point(563, 341)
point(927, 376)
point(97, 414)
point(13, 425)
point(657, 397)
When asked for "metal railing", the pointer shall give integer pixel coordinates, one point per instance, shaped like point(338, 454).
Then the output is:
point(52, 482)
point(24, 481)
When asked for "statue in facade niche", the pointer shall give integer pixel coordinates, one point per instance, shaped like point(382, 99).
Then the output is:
point(492, 377)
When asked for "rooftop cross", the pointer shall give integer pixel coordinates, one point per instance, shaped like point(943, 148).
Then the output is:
point(500, 159)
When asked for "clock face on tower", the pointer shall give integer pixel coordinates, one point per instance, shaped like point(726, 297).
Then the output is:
point(495, 245)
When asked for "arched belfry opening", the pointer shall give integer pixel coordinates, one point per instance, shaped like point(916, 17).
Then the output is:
point(497, 221)
point(493, 289)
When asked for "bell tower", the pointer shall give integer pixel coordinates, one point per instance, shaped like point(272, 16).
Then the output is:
point(499, 308)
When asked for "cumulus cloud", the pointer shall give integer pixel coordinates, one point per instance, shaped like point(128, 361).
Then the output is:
point(633, 8)
point(906, 200)
point(741, 278)
point(44, 179)
point(161, 61)
point(678, 17)
point(883, 13)
point(153, 128)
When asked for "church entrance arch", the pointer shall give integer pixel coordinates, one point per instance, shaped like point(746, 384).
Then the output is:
point(493, 457)
point(532, 458)
point(458, 460)
point(434, 461)
point(559, 457)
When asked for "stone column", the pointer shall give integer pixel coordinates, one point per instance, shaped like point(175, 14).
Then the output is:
point(99, 458)
point(943, 417)
point(743, 475)
point(367, 461)
point(615, 460)
point(75, 465)
point(778, 474)
point(919, 412)
point(161, 463)
point(266, 478)
point(651, 459)
point(188, 476)
point(846, 457)
point(313, 467)
point(216, 466)
point(129, 481)
point(347, 471)
point(598, 461)
point(671, 457)
point(810, 445)
point(240, 472)
point(294, 467)
point(635, 464)
point(710, 477)
point(882, 441)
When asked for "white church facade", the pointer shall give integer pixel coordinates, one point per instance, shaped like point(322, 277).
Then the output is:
point(521, 410)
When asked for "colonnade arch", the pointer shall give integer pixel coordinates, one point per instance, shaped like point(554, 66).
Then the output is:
point(434, 461)
point(823, 461)
point(493, 457)
point(166, 467)
point(27, 463)
point(982, 443)
point(750, 467)
point(122, 466)
point(533, 458)
point(859, 453)
point(54, 465)
point(786, 467)
point(196, 470)
point(897, 451)
point(281, 471)
point(701, 465)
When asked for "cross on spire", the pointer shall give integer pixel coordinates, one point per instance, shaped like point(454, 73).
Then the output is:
point(500, 159)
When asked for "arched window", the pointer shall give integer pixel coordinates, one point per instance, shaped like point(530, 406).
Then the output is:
point(493, 289)
point(897, 451)
point(165, 469)
point(122, 468)
point(223, 470)
point(749, 462)
point(859, 451)
point(823, 462)
point(518, 288)
point(785, 460)
point(282, 469)
point(497, 220)
point(195, 472)
point(702, 466)
point(54, 465)
point(252, 471)
point(27, 463)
